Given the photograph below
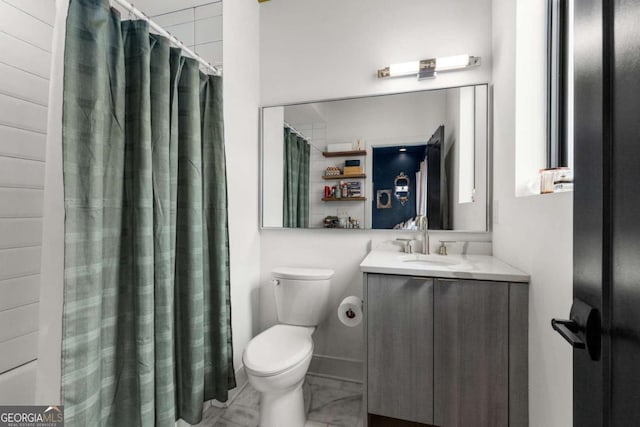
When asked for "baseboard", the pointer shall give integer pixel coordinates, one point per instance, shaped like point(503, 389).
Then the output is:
point(340, 368)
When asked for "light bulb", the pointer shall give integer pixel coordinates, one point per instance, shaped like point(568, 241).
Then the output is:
point(404, 68)
point(452, 62)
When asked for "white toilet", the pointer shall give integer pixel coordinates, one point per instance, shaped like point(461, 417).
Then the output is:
point(276, 361)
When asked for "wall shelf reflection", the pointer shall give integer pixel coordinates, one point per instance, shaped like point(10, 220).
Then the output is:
point(344, 153)
point(354, 176)
point(344, 199)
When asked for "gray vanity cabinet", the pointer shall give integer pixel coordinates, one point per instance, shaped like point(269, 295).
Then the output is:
point(471, 353)
point(400, 347)
point(446, 352)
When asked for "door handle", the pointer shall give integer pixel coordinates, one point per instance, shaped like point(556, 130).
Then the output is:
point(583, 330)
point(564, 328)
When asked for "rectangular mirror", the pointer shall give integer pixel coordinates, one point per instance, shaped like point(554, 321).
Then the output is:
point(378, 162)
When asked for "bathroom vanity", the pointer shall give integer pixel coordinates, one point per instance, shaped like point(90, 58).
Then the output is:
point(446, 341)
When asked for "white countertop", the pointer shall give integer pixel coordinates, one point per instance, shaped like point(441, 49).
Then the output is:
point(475, 267)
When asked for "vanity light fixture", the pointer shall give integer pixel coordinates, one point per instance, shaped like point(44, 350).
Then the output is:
point(427, 68)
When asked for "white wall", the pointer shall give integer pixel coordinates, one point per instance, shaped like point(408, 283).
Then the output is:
point(530, 94)
point(314, 50)
point(241, 101)
point(304, 58)
point(411, 115)
point(466, 133)
point(25, 52)
point(452, 149)
point(273, 176)
point(534, 234)
point(465, 155)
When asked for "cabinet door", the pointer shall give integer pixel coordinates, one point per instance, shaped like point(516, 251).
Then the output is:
point(400, 347)
point(471, 324)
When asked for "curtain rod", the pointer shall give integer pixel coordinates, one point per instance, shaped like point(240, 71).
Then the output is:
point(287, 125)
point(161, 31)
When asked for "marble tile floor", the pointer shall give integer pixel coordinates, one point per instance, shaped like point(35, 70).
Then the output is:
point(331, 403)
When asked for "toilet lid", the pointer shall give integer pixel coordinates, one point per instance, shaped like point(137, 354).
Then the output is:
point(278, 349)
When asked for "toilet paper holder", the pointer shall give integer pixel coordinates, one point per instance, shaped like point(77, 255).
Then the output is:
point(350, 311)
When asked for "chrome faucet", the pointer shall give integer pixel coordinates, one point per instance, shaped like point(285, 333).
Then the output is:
point(423, 225)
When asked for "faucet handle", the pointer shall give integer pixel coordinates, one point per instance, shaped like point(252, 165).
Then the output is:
point(442, 250)
point(406, 243)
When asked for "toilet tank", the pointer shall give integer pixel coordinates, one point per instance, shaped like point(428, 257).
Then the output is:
point(302, 295)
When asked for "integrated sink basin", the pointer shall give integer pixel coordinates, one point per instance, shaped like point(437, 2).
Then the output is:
point(434, 260)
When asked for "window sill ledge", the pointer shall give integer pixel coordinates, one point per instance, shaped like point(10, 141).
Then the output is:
point(556, 194)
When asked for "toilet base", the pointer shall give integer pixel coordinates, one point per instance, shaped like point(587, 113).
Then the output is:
point(283, 408)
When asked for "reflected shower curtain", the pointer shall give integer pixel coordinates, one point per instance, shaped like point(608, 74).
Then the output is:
point(146, 317)
point(297, 156)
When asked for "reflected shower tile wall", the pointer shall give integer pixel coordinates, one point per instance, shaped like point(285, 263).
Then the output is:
point(209, 10)
point(183, 32)
point(316, 171)
point(208, 30)
point(167, 20)
point(212, 52)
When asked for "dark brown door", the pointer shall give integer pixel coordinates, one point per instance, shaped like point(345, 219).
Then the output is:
point(604, 324)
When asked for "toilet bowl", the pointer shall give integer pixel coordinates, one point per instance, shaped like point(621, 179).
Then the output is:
point(276, 361)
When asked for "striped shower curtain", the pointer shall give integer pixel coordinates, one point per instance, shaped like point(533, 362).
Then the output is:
point(146, 335)
point(297, 156)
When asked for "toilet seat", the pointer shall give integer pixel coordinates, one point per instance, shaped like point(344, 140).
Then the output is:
point(278, 349)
